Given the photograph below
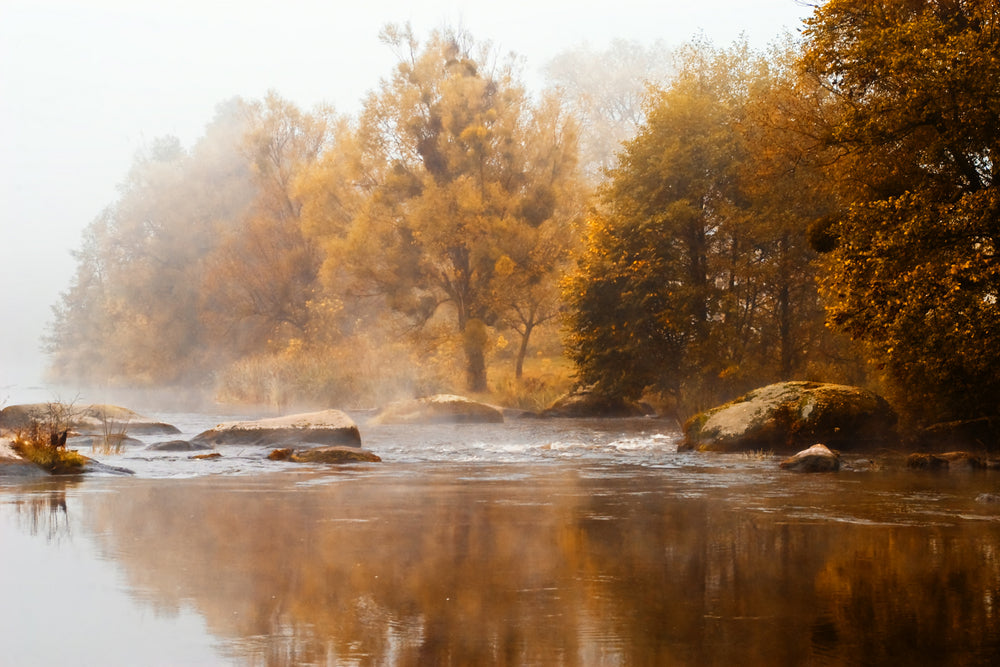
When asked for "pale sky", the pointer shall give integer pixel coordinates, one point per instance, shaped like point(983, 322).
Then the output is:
point(85, 83)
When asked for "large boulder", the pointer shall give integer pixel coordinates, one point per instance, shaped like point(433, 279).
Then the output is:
point(789, 415)
point(818, 458)
point(327, 427)
point(94, 419)
point(438, 409)
point(583, 403)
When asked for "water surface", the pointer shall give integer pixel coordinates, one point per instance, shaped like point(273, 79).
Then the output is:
point(533, 543)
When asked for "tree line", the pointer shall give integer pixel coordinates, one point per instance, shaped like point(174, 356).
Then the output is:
point(694, 222)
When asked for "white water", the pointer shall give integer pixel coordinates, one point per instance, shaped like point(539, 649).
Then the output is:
point(643, 442)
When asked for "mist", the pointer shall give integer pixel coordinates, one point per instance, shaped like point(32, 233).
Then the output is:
point(88, 88)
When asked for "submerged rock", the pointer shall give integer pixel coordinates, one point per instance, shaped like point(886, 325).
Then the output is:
point(818, 458)
point(584, 403)
point(334, 455)
point(97, 441)
point(946, 461)
point(788, 415)
point(92, 466)
point(324, 455)
point(328, 427)
point(438, 409)
point(95, 419)
point(177, 446)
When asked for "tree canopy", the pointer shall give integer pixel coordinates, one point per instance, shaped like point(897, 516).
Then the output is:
point(914, 271)
point(697, 278)
point(467, 194)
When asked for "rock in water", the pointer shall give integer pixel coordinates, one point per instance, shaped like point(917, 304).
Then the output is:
point(583, 403)
point(789, 415)
point(438, 409)
point(328, 427)
point(84, 419)
point(334, 455)
point(818, 458)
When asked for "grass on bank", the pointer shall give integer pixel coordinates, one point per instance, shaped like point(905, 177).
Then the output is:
point(57, 461)
point(34, 443)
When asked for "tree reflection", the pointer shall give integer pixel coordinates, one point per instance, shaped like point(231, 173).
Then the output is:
point(561, 570)
point(41, 509)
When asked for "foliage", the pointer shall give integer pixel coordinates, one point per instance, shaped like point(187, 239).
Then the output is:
point(36, 440)
point(696, 280)
point(913, 268)
point(458, 184)
point(113, 435)
point(56, 461)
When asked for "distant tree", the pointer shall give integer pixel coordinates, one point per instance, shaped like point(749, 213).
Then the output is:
point(132, 314)
point(913, 270)
point(605, 91)
point(455, 177)
point(261, 284)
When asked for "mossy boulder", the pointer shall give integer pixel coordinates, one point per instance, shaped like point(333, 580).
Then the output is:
point(324, 428)
point(438, 409)
point(788, 416)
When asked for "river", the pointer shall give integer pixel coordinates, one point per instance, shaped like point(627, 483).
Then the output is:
point(529, 543)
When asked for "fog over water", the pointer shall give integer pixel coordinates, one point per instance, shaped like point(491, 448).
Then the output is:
point(83, 86)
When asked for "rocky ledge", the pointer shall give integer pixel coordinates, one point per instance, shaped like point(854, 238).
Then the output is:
point(438, 409)
point(324, 428)
point(95, 419)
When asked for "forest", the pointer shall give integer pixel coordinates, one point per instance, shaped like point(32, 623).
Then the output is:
point(676, 224)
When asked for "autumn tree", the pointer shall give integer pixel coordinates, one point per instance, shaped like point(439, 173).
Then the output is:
point(260, 287)
point(133, 312)
point(696, 280)
point(457, 179)
point(913, 269)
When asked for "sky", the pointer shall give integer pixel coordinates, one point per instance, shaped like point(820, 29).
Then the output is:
point(84, 84)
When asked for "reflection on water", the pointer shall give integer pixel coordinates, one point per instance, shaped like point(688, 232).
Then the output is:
point(586, 564)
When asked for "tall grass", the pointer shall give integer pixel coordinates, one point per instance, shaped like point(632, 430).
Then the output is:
point(113, 435)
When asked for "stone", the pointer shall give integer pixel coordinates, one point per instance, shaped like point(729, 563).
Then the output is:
point(919, 461)
point(13, 464)
point(177, 446)
point(788, 415)
point(327, 427)
point(818, 458)
point(91, 419)
point(438, 409)
point(583, 403)
point(206, 457)
point(963, 460)
point(334, 455)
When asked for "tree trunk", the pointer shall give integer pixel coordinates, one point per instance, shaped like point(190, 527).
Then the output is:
point(474, 340)
point(522, 351)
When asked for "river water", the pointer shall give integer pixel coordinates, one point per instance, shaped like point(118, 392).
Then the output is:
point(528, 543)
